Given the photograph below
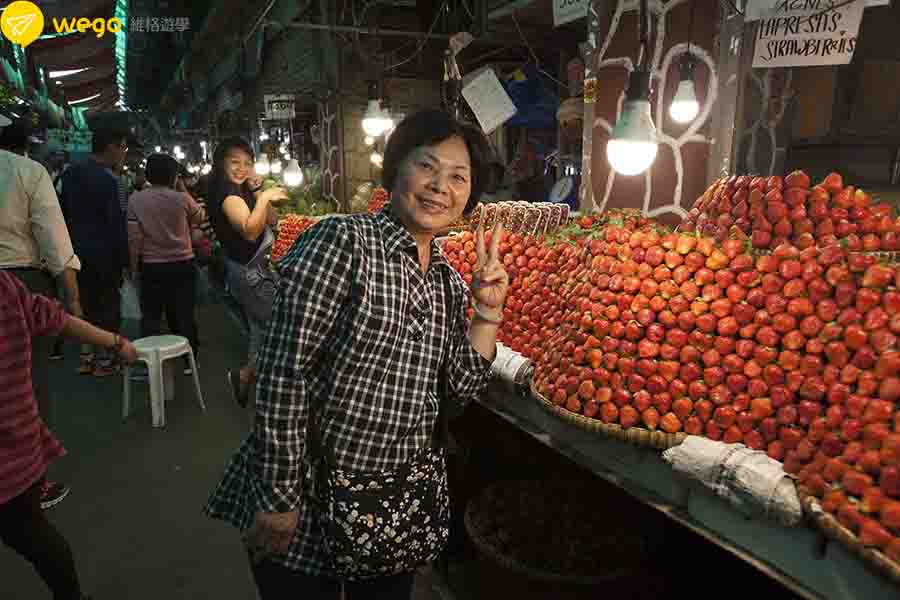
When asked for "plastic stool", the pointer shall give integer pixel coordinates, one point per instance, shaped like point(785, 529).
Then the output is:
point(153, 351)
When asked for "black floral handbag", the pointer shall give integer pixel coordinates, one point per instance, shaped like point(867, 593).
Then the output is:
point(382, 523)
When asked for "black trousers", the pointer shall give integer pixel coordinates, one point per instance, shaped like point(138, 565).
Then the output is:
point(99, 291)
point(24, 528)
point(276, 582)
point(169, 288)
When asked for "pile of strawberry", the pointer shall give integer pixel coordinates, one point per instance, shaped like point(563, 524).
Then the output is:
point(378, 200)
point(289, 229)
point(775, 210)
point(794, 353)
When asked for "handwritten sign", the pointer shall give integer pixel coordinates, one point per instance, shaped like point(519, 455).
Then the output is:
point(488, 100)
point(765, 9)
point(806, 33)
point(565, 11)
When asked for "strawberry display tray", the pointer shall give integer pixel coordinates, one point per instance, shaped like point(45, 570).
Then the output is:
point(551, 531)
point(875, 559)
point(637, 436)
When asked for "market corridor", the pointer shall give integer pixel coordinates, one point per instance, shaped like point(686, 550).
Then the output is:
point(134, 517)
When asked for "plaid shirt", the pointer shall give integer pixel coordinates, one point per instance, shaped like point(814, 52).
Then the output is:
point(357, 326)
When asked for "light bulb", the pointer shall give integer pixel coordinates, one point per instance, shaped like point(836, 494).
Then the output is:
point(684, 107)
point(373, 122)
point(369, 140)
point(632, 146)
point(177, 150)
point(158, 149)
point(275, 167)
point(203, 143)
point(206, 169)
point(263, 136)
point(262, 165)
point(628, 157)
point(376, 159)
point(293, 174)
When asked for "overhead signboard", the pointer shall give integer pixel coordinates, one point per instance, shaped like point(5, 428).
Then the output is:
point(807, 33)
point(280, 106)
point(565, 11)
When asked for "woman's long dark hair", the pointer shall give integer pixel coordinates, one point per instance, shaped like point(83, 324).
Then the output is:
point(217, 177)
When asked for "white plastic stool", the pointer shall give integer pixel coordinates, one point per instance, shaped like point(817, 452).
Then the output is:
point(153, 351)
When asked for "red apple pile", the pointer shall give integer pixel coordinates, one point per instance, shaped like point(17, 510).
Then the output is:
point(775, 210)
point(289, 229)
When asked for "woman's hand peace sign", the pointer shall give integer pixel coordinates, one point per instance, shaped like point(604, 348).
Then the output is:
point(490, 281)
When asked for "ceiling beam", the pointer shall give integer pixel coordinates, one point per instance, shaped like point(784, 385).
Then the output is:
point(508, 9)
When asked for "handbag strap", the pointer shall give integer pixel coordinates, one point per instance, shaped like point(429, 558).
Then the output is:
point(440, 437)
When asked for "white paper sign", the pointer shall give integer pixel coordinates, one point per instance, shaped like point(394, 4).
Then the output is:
point(762, 9)
point(488, 100)
point(279, 106)
point(565, 11)
point(804, 33)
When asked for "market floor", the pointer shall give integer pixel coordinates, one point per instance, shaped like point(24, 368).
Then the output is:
point(133, 517)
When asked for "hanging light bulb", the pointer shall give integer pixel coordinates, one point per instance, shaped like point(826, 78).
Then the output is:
point(376, 159)
point(158, 149)
point(684, 107)
point(369, 140)
point(177, 150)
point(373, 121)
point(632, 147)
point(262, 165)
point(275, 167)
point(263, 136)
point(293, 174)
point(206, 169)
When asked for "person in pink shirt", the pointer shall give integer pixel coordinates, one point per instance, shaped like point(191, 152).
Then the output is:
point(160, 219)
point(26, 445)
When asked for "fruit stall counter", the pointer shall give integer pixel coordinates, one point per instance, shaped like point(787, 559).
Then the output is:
point(800, 558)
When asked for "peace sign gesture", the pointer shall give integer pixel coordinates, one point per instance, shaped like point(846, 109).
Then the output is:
point(490, 281)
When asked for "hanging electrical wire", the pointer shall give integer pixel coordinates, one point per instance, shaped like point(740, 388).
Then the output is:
point(422, 43)
point(534, 57)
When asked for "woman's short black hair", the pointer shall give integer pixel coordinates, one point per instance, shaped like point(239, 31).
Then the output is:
point(162, 169)
point(430, 127)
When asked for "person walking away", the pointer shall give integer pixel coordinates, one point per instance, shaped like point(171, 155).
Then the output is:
point(242, 215)
point(35, 247)
point(90, 203)
point(26, 444)
point(160, 219)
point(368, 353)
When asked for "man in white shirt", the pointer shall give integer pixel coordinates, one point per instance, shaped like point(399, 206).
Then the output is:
point(35, 247)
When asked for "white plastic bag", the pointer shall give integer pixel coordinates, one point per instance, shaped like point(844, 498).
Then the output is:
point(131, 303)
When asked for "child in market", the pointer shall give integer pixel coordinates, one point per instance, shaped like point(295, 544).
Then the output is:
point(26, 445)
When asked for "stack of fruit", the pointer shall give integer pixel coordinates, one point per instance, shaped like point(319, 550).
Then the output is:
point(378, 200)
point(289, 229)
point(794, 352)
point(775, 210)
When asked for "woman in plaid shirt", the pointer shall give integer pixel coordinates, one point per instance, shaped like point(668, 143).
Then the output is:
point(368, 319)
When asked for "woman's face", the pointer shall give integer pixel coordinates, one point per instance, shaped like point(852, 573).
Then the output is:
point(433, 186)
point(238, 166)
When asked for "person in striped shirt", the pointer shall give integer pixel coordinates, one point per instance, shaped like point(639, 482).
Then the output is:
point(26, 445)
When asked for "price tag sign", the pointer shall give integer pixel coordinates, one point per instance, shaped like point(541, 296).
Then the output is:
point(279, 106)
point(565, 11)
point(791, 34)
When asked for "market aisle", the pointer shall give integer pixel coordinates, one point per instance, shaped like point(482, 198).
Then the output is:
point(133, 517)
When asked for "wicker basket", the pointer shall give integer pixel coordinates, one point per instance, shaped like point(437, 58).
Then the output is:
point(632, 435)
point(830, 526)
point(477, 519)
